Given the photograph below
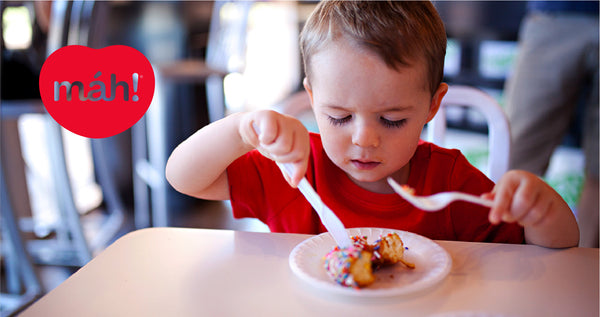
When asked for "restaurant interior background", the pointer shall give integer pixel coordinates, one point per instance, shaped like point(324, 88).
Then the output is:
point(255, 45)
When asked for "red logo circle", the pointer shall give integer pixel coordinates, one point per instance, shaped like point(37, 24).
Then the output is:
point(97, 93)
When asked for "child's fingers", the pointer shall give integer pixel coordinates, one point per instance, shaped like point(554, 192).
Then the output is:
point(268, 132)
point(503, 194)
point(270, 126)
point(250, 131)
point(250, 137)
point(284, 140)
point(524, 200)
point(282, 148)
point(493, 218)
point(289, 179)
point(279, 138)
point(495, 215)
point(537, 213)
point(294, 172)
point(488, 196)
point(518, 197)
point(299, 172)
point(292, 145)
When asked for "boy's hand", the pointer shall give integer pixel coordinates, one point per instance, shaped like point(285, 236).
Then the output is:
point(522, 197)
point(279, 137)
point(525, 198)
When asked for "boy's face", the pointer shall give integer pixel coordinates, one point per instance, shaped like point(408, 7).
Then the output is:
point(370, 116)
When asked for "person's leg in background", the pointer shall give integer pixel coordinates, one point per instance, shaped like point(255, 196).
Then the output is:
point(543, 91)
point(589, 202)
point(540, 95)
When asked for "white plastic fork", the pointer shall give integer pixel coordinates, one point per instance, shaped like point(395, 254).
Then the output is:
point(437, 201)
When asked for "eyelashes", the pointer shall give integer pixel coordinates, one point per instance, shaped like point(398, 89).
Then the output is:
point(385, 122)
point(339, 121)
point(393, 124)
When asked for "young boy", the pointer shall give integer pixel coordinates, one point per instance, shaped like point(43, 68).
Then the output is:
point(374, 77)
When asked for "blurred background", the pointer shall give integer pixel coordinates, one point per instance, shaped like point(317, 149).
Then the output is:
point(212, 59)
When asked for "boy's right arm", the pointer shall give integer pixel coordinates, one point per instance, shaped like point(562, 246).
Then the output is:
point(198, 166)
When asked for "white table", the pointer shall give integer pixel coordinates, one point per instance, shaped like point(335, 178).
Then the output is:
point(200, 272)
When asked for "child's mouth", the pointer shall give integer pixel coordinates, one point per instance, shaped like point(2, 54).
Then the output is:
point(365, 165)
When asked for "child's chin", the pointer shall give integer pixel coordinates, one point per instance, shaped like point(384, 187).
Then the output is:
point(366, 177)
point(372, 183)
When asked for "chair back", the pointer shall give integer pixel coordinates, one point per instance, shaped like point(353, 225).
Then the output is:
point(498, 126)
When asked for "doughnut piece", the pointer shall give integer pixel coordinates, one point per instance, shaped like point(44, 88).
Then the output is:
point(353, 266)
point(390, 250)
point(350, 267)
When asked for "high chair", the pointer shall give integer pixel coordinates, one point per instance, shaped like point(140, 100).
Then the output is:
point(498, 126)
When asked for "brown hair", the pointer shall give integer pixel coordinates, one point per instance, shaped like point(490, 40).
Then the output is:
point(399, 32)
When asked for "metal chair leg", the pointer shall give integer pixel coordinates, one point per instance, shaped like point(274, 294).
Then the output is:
point(14, 302)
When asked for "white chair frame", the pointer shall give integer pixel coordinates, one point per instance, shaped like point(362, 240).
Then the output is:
point(498, 125)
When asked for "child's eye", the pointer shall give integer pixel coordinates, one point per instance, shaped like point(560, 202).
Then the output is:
point(393, 123)
point(339, 121)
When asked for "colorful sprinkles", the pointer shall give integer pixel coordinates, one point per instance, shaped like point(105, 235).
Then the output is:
point(338, 261)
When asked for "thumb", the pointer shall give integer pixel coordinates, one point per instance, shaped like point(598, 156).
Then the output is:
point(293, 172)
point(289, 179)
point(488, 196)
point(299, 172)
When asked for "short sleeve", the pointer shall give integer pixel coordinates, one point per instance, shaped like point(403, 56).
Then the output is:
point(470, 221)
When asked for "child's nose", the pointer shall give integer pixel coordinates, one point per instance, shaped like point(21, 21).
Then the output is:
point(365, 136)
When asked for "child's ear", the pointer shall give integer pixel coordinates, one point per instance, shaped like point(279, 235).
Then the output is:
point(436, 100)
point(308, 90)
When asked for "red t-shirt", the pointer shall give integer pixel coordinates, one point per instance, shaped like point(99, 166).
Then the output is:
point(258, 190)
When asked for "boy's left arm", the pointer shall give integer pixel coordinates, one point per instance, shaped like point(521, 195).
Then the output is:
point(525, 198)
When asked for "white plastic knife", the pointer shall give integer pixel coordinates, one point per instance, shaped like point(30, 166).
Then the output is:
point(331, 222)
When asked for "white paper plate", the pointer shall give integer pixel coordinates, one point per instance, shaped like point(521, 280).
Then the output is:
point(432, 263)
